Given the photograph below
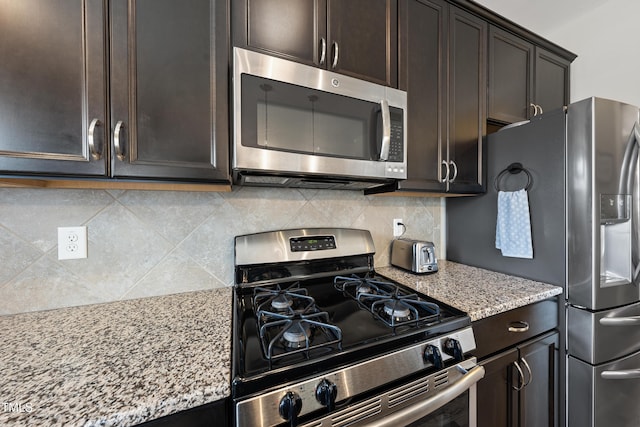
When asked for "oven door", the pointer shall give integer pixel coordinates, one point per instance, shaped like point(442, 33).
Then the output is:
point(292, 118)
point(444, 399)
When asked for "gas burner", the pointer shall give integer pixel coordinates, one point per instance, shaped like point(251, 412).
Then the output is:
point(355, 286)
point(292, 299)
point(286, 334)
point(290, 322)
point(387, 301)
point(364, 288)
point(401, 308)
point(397, 310)
point(297, 335)
point(281, 303)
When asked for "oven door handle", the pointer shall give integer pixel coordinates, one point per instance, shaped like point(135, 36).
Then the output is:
point(424, 408)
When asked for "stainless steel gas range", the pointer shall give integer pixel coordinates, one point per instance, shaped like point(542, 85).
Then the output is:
point(321, 340)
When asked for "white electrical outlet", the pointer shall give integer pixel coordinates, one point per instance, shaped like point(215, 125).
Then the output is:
point(398, 227)
point(72, 242)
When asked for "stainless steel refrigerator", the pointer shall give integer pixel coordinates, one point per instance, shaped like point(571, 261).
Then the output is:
point(581, 167)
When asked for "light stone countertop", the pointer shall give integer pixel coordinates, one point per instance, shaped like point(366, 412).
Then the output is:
point(481, 293)
point(116, 364)
point(123, 363)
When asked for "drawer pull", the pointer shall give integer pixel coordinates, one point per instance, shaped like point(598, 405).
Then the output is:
point(621, 375)
point(519, 326)
point(620, 321)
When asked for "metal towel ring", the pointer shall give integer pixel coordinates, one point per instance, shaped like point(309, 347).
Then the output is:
point(514, 168)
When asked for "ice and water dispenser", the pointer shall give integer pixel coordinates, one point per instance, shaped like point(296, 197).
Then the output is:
point(615, 240)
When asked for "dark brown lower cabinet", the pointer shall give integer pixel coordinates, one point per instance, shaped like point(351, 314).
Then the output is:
point(520, 387)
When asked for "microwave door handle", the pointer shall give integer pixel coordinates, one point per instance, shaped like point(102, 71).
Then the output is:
point(628, 374)
point(425, 407)
point(386, 130)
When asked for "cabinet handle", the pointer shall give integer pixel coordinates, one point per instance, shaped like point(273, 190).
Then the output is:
point(526, 365)
point(91, 139)
point(119, 147)
point(536, 109)
point(323, 50)
point(386, 130)
point(335, 55)
point(520, 375)
point(455, 171)
point(446, 171)
point(522, 326)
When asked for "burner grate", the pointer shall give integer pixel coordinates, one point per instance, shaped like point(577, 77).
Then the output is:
point(387, 301)
point(291, 323)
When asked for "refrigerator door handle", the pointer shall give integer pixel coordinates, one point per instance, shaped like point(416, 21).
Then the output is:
point(627, 186)
point(620, 321)
point(628, 374)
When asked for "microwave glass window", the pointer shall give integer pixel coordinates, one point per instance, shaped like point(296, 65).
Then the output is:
point(279, 126)
point(286, 117)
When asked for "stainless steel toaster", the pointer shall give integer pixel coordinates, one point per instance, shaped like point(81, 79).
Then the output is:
point(414, 255)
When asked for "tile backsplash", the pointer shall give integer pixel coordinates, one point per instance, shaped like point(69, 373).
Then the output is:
point(148, 243)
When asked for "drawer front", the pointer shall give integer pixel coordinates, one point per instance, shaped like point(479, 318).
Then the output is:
point(506, 329)
point(598, 337)
point(604, 395)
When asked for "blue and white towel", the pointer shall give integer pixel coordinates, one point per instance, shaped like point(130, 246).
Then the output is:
point(513, 226)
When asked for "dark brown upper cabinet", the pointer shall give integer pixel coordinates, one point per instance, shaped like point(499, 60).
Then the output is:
point(551, 80)
point(443, 70)
point(166, 90)
point(353, 37)
point(169, 90)
point(53, 87)
point(524, 79)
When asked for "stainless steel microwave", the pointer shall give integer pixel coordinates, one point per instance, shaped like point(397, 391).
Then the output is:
point(301, 126)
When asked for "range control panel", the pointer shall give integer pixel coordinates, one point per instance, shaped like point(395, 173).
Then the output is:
point(312, 243)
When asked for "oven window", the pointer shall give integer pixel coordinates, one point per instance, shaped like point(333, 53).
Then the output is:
point(453, 414)
point(286, 117)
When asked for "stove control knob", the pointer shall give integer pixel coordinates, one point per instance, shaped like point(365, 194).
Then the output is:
point(326, 393)
point(290, 407)
point(432, 354)
point(453, 348)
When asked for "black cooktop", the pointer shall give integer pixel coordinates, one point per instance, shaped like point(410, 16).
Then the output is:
point(277, 340)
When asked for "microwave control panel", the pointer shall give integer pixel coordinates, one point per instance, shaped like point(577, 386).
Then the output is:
point(396, 146)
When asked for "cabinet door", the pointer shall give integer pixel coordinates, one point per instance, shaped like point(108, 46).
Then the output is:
point(169, 89)
point(551, 80)
point(423, 74)
point(52, 87)
point(467, 101)
point(497, 400)
point(510, 77)
point(293, 29)
point(363, 39)
point(539, 398)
